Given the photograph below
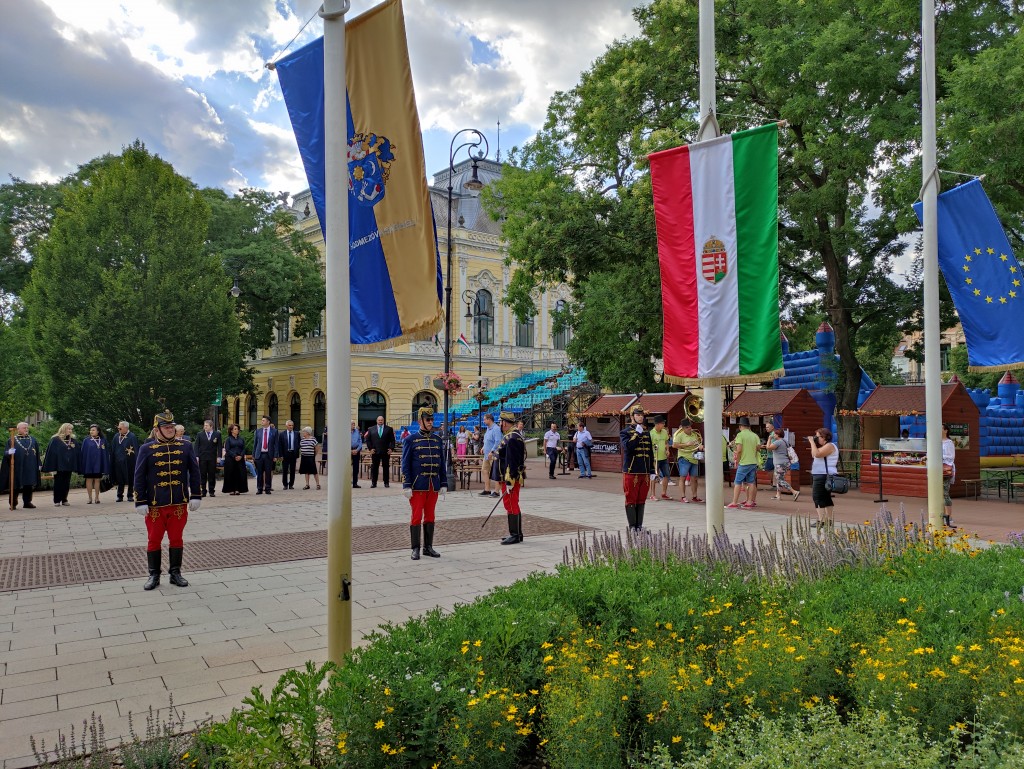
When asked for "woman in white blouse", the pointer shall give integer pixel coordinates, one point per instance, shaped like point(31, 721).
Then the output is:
point(948, 476)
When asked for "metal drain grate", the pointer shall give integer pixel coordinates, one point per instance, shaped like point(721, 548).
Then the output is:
point(55, 569)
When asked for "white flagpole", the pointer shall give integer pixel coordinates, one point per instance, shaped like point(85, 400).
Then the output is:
point(713, 459)
point(929, 192)
point(339, 364)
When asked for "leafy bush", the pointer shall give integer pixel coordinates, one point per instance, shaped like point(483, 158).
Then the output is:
point(870, 739)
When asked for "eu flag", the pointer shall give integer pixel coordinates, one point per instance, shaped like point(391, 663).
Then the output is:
point(395, 268)
point(983, 277)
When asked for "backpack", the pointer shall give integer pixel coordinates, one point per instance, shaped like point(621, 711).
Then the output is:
point(793, 458)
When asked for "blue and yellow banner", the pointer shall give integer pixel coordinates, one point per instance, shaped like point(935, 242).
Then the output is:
point(395, 267)
point(983, 277)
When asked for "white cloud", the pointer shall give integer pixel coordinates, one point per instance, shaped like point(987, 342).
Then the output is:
point(187, 77)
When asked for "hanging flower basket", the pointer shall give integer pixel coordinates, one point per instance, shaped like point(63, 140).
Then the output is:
point(448, 380)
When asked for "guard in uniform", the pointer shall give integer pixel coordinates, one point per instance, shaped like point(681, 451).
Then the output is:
point(637, 467)
point(23, 450)
point(124, 447)
point(424, 476)
point(511, 470)
point(166, 490)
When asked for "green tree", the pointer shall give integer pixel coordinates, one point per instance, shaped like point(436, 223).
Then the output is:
point(983, 128)
point(843, 74)
point(125, 303)
point(256, 242)
point(22, 384)
point(26, 210)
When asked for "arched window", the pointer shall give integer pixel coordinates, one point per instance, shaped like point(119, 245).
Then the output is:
point(251, 416)
point(561, 337)
point(319, 414)
point(372, 404)
point(295, 410)
point(484, 332)
point(272, 409)
point(524, 333)
point(420, 400)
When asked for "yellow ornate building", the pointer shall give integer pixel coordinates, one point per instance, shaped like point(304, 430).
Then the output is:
point(291, 375)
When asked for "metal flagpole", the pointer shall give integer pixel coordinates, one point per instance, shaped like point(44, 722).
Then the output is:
point(929, 194)
point(11, 479)
point(339, 365)
point(713, 459)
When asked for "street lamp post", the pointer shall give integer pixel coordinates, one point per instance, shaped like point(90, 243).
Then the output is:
point(475, 312)
point(473, 183)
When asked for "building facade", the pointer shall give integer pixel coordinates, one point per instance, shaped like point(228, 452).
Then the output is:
point(291, 375)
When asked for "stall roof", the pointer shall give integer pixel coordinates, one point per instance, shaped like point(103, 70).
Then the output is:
point(661, 403)
point(893, 400)
point(756, 403)
point(609, 405)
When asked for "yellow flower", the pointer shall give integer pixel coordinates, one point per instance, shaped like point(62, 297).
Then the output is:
point(975, 648)
point(379, 724)
point(625, 697)
point(912, 685)
point(903, 600)
point(880, 676)
point(387, 692)
point(676, 739)
point(385, 748)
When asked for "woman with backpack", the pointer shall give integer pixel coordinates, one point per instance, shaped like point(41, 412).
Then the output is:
point(776, 444)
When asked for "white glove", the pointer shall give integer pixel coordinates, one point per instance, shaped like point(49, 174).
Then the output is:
point(509, 485)
point(407, 492)
point(639, 428)
point(10, 452)
point(142, 509)
point(444, 491)
point(193, 504)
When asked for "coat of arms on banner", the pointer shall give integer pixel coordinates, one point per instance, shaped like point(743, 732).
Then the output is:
point(369, 163)
point(714, 265)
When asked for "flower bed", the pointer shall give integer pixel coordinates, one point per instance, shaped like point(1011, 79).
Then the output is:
point(678, 652)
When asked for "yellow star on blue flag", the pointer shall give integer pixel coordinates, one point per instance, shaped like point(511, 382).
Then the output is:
point(981, 273)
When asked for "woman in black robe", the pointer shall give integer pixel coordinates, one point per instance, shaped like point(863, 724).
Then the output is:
point(236, 480)
point(62, 459)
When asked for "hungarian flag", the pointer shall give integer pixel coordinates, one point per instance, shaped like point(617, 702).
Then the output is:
point(716, 204)
point(465, 343)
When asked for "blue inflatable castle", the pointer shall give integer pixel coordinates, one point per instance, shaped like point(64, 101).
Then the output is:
point(816, 371)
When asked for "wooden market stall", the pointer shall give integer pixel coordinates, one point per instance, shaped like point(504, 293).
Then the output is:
point(793, 410)
point(605, 418)
point(902, 463)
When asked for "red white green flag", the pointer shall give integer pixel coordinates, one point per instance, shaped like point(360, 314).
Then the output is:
point(716, 204)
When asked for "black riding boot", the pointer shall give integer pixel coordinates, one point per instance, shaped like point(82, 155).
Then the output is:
point(174, 569)
point(513, 531)
point(947, 520)
point(631, 516)
point(519, 526)
point(640, 517)
point(414, 531)
point(428, 541)
point(153, 559)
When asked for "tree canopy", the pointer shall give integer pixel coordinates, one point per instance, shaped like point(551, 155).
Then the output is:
point(125, 303)
point(255, 240)
point(576, 203)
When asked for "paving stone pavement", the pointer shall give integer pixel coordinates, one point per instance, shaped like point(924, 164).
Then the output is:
point(110, 648)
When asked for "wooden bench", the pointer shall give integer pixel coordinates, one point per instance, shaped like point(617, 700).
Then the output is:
point(1017, 487)
point(464, 469)
point(975, 485)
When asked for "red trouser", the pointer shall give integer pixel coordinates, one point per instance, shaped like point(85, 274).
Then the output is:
point(169, 518)
point(511, 499)
point(635, 486)
point(423, 504)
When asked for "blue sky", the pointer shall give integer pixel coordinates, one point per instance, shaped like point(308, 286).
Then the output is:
point(86, 77)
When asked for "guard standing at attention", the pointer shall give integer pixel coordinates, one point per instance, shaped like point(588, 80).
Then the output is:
point(166, 491)
point(511, 470)
point(637, 467)
point(424, 476)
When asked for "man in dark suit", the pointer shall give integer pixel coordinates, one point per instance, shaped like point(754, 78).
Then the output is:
point(288, 451)
point(207, 446)
point(124, 449)
point(264, 452)
point(381, 440)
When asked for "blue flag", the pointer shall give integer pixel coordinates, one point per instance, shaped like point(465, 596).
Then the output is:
point(983, 277)
point(395, 268)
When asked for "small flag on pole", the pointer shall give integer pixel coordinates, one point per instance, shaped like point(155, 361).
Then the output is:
point(983, 277)
point(716, 204)
point(465, 343)
point(395, 289)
